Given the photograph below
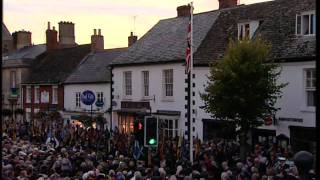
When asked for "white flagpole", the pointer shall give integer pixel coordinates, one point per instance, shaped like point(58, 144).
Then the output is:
point(191, 68)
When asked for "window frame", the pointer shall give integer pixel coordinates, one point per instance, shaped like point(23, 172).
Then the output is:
point(312, 87)
point(37, 94)
point(13, 79)
point(310, 21)
point(168, 81)
point(145, 84)
point(127, 87)
point(55, 95)
point(78, 99)
point(28, 94)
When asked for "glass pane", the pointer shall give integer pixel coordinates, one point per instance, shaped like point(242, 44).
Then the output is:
point(312, 24)
point(308, 83)
point(298, 25)
point(305, 24)
point(308, 73)
point(313, 83)
point(310, 98)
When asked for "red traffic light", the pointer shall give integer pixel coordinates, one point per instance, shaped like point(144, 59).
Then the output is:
point(140, 126)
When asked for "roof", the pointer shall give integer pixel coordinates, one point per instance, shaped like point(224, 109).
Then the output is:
point(167, 40)
point(6, 35)
point(277, 27)
point(93, 68)
point(55, 66)
point(23, 56)
point(27, 52)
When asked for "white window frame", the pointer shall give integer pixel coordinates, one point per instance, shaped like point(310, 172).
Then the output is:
point(36, 94)
point(28, 94)
point(127, 87)
point(306, 13)
point(13, 79)
point(78, 99)
point(145, 84)
point(54, 94)
point(253, 26)
point(99, 96)
point(312, 86)
point(166, 82)
point(28, 114)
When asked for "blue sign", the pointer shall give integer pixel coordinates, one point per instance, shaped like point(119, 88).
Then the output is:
point(99, 103)
point(88, 97)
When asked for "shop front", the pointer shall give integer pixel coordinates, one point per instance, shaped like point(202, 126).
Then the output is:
point(130, 113)
point(303, 138)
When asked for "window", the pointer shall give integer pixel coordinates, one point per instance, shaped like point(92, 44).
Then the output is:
point(145, 83)
point(128, 83)
point(100, 96)
point(168, 82)
point(13, 79)
point(78, 100)
point(36, 94)
point(28, 94)
point(247, 29)
point(310, 75)
point(306, 23)
point(54, 95)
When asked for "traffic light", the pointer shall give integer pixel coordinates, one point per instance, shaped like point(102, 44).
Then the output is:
point(139, 131)
point(151, 131)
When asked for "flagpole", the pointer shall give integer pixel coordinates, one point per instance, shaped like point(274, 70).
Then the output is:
point(190, 79)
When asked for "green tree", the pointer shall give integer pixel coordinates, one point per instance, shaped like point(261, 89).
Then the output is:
point(242, 87)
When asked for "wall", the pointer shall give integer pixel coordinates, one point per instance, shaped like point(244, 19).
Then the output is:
point(155, 88)
point(293, 100)
point(43, 106)
point(70, 98)
point(21, 75)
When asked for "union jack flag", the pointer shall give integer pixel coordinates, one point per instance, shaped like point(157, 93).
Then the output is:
point(188, 51)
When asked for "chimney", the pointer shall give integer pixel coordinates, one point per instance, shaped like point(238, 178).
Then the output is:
point(51, 38)
point(132, 39)
point(183, 10)
point(97, 42)
point(66, 34)
point(21, 39)
point(227, 3)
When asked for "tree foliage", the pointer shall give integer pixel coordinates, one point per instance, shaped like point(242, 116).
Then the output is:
point(242, 86)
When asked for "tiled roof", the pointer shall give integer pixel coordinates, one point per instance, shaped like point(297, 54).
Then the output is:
point(167, 40)
point(27, 52)
point(6, 35)
point(277, 27)
point(55, 66)
point(93, 68)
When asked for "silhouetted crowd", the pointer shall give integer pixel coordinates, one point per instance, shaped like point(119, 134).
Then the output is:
point(79, 153)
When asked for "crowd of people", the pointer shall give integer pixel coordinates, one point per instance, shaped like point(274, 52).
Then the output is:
point(73, 152)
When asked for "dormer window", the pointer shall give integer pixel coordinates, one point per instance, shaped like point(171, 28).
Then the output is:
point(247, 29)
point(306, 23)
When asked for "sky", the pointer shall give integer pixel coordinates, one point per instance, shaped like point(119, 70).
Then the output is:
point(115, 18)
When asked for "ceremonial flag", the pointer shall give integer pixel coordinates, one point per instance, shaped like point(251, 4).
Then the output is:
point(189, 42)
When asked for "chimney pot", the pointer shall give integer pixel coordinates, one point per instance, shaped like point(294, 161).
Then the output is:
point(183, 10)
point(49, 25)
point(132, 39)
point(53, 28)
point(227, 3)
point(99, 32)
point(94, 32)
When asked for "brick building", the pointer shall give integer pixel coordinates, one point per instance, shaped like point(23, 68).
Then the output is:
point(43, 90)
